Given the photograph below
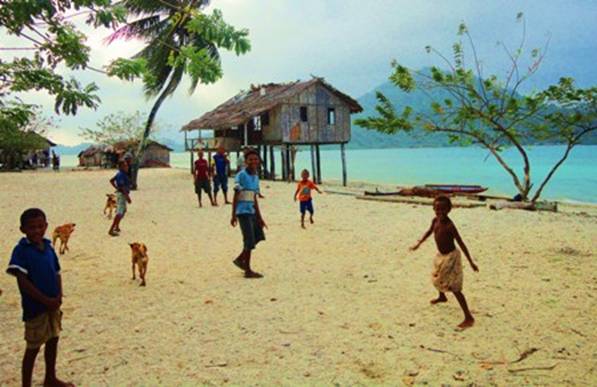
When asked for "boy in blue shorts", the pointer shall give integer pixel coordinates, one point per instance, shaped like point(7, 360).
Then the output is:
point(303, 193)
point(222, 166)
point(245, 211)
point(122, 184)
point(35, 264)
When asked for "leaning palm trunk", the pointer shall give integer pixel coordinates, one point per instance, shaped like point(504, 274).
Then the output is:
point(148, 125)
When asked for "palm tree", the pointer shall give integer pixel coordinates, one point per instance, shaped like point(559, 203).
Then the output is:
point(180, 39)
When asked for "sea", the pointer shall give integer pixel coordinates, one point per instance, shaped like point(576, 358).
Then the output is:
point(574, 181)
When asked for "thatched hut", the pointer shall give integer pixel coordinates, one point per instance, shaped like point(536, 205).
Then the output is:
point(155, 155)
point(92, 156)
point(287, 115)
point(31, 150)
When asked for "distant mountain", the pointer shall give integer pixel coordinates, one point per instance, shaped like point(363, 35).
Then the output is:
point(419, 101)
point(71, 150)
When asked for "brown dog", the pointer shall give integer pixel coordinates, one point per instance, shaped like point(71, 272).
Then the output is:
point(63, 232)
point(139, 258)
point(110, 205)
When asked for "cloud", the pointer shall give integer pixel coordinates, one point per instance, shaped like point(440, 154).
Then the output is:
point(350, 43)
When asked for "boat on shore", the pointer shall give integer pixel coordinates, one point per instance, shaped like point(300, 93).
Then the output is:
point(457, 188)
point(432, 190)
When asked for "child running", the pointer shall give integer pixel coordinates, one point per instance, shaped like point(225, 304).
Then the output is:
point(122, 184)
point(245, 211)
point(303, 192)
point(35, 264)
point(447, 266)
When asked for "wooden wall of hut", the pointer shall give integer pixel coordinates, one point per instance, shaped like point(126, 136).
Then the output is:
point(316, 101)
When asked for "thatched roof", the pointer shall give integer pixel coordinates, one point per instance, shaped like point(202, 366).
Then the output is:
point(247, 104)
point(92, 150)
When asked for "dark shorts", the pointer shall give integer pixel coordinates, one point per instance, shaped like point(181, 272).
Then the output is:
point(252, 232)
point(220, 181)
point(307, 206)
point(202, 185)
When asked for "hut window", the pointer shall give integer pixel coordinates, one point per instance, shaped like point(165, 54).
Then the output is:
point(265, 119)
point(331, 116)
point(303, 112)
point(257, 122)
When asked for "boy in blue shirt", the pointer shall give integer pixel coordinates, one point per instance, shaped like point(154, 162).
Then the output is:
point(35, 264)
point(221, 174)
point(122, 184)
point(245, 212)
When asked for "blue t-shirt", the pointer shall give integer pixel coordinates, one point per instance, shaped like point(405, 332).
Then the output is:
point(123, 182)
point(246, 182)
point(221, 162)
point(41, 268)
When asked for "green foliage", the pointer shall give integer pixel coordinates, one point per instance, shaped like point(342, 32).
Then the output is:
point(52, 41)
point(489, 111)
point(402, 77)
point(21, 127)
point(117, 127)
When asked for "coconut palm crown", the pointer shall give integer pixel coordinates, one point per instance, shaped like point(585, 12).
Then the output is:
point(181, 39)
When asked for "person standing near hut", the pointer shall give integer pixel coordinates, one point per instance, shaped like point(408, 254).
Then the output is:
point(245, 212)
point(122, 184)
point(202, 174)
point(221, 174)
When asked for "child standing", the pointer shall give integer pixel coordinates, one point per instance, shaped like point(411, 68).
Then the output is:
point(122, 184)
point(303, 192)
point(222, 166)
point(201, 175)
point(35, 264)
point(245, 211)
point(447, 267)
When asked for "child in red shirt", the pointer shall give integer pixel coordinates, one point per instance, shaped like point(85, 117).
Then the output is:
point(303, 192)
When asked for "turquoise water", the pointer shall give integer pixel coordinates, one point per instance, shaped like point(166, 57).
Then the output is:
point(575, 180)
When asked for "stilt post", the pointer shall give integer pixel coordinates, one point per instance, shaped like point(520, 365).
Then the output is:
point(272, 163)
point(343, 153)
point(318, 154)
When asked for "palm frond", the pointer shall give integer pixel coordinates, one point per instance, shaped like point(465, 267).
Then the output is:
point(145, 27)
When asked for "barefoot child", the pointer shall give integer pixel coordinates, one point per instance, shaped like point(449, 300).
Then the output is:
point(201, 176)
point(245, 211)
point(222, 166)
point(303, 192)
point(447, 266)
point(35, 264)
point(122, 184)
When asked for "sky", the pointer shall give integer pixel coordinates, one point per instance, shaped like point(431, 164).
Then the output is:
point(348, 42)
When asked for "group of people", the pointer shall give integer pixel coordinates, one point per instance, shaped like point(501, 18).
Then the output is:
point(35, 264)
point(43, 159)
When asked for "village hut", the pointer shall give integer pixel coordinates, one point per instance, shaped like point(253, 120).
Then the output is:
point(155, 155)
point(286, 115)
point(93, 156)
point(35, 152)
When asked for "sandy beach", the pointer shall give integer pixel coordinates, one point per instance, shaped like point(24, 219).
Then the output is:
point(342, 303)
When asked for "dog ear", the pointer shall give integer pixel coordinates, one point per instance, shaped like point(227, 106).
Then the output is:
point(144, 248)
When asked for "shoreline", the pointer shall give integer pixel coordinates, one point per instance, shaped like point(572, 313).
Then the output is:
point(365, 184)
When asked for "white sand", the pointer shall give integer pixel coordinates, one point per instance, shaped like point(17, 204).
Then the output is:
point(342, 302)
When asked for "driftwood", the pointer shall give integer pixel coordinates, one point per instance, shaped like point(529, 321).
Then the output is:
point(529, 206)
point(546, 368)
point(411, 200)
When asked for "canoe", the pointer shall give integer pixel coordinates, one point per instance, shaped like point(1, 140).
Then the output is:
point(457, 188)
